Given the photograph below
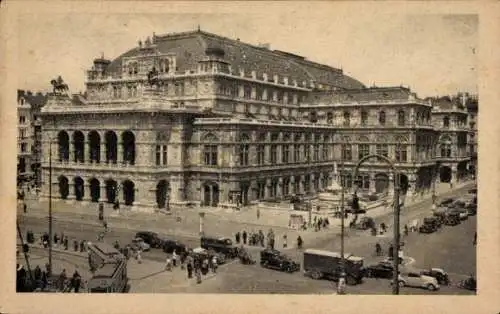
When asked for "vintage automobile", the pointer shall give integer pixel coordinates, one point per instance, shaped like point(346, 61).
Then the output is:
point(220, 245)
point(139, 244)
point(417, 280)
point(202, 254)
point(429, 225)
point(245, 257)
point(274, 259)
point(365, 223)
point(383, 269)
point(468, 284)
point(438, 273)
point(452, 219)
point(151, 238)
point(462, 212)
point(446, 202)
point(169, 246)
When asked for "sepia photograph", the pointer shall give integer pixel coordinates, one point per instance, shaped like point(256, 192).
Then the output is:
point(292, 152)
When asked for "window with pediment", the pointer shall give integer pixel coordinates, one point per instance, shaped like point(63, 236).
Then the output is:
point(244, 149)
point(364, 117)
point(402, 118)
point(446, 122)
point(210, 150)
point(347, 118)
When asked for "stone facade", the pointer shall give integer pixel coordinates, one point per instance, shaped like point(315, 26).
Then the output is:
point(195, 118)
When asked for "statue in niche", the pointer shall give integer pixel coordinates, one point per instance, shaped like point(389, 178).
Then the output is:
point(153, 77)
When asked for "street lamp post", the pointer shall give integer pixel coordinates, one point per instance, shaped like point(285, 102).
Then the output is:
point(50, 205)
point(340, 288)
point(396, 241)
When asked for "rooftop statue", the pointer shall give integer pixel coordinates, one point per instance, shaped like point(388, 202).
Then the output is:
point(59, 87)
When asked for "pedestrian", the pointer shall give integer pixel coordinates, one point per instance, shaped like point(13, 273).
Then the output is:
point(475, 239)
point(44, 280)
point(168, 264)
point(116, 245)
point(105, 225)
point(284, 241)
point(56, 238)
point(66, 243)
point(244, 237)
point(77, 281)
point(189, 268)
point(258, 213)
point(214, 264)
point(75, 245)
point(25, 208)
point(138, 257)
point(174, 258)
point(82, 246)
point(62, 279)
point(390, 252)
point(237, 237)
point(299, 242)
point(198, 276)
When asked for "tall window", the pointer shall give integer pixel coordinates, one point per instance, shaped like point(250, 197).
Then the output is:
point(296, 186)
point(179, 89)
point(316, 152)
point(364, 150)
point(285, 153)
point(274, 154)
point(326, 151)
point(22, 119)
point(261, 154)
point(261, 190)
point(274, 188)
point(347, 118)
point(401, 153)
point(445, 150)
point(161, 155)
point(307, 152)
point(210, 155)
point(381, 117)
point(383, 149)
point(401, 118)
point(247, 92)
point(446, 122)
point(346, 180)
point(24, 147)
point(244, 148)
point(347, 151)
point(363, 181)
point(286, 186)
point(364, 117)
point(296, 153)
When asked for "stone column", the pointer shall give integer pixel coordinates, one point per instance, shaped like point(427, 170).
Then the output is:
point(301, 185)
point(372, 183)
point(391, 184)
point(119, 152)
point(279, 192)
point(103, 151)
point(267, 192)
point(454, 176)
point(86, 192)
point(72, 152)
point(103, 197)
point(291, 185)
point(202, 221)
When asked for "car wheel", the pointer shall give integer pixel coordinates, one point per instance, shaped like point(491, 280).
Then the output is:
point(315, 275)
point(402, 283)
point(431, 287)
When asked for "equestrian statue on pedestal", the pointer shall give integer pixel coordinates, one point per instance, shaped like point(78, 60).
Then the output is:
point(59, 87)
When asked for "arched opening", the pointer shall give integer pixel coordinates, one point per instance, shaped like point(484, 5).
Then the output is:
point(461, 170)
point(111, 187)
point(128, 192)
point(446, 122)
point(63, 187)
point(128, 142)
point(313, 117)
point(381, 183)
point(79, 146)
point(244, 189)
point(210, 194)
point(445, 174)
point(111, 146)
point(79, 188)
point(94, 146)
point(162, 193)
point(403, 183)
point(381, 117)
point(63, 143)
point(95, 190)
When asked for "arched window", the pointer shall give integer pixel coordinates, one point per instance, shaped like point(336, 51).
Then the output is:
point(381, 117)
point(347, 151)
point(63, 141)
point(446, 122)
point(128, 145)
point(329, 117)
point(401, 117)
point(347, 118)
point(313, 117)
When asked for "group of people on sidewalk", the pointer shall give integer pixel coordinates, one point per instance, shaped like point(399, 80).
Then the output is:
point(259, 239)
point(58, 241)
point(194, 264)
point(45, 280)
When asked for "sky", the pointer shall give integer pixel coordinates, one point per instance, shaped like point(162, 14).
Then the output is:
point(433, 54)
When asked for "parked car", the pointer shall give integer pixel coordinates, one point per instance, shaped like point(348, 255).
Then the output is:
point(366, 223)
point(452, 219)
point(383, 269)
point(438, 273)
point(473, 191)
point(139, 244)
point(463, 213)
point(417, 280)
point(430, 225)
point(220, 245)
point(169, 246)
point(274, 259)
point(208, 254)
point(446, 202)
point(150, 238)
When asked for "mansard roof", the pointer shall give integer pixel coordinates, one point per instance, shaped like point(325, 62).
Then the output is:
point(192, 47)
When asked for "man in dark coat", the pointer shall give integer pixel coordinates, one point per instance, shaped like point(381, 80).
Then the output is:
point(237, 237)
point(244, 237)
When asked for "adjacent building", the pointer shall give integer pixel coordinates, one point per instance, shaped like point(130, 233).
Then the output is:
point(196, 118)
point(29, 137)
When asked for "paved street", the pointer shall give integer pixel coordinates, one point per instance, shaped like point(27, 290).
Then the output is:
point(450, 248)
